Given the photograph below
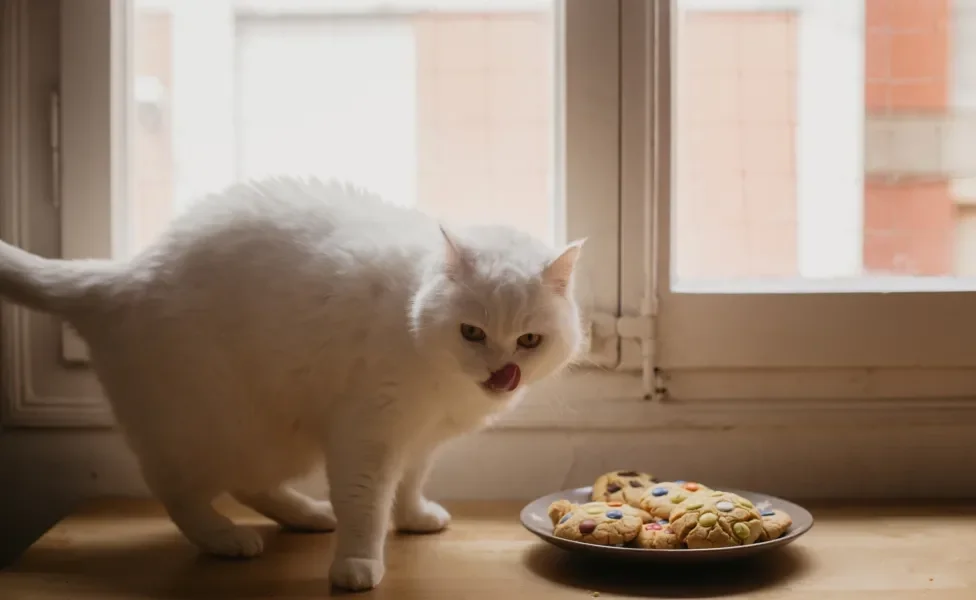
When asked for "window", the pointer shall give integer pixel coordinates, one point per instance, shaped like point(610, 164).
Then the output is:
point(820, 232)
point(777, 194)
point(476, 111)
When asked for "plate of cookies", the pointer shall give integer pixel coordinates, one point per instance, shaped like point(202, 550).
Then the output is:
point(632, 515)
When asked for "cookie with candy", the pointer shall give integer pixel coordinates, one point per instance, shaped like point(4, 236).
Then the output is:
point(661, 498)
point(716, 520)
point(603, 523)
point(657, 536)
point(622, 486)
point(775, 523)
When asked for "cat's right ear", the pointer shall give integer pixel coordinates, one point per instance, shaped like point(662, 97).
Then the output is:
point(456, 262)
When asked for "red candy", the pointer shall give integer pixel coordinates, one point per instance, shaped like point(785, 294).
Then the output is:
point(653, 527)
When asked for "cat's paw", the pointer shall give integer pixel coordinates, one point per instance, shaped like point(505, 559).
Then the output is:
point(429, 517)
point(356, 574)
point(317, 516)
point(231, 542)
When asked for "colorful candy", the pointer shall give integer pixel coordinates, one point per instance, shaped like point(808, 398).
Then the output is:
point(708, 520)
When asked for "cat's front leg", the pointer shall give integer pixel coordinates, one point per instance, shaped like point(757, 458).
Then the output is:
point(413, 512)
point(362, 478)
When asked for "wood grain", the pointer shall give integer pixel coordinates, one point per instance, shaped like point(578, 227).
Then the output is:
point(124, 548)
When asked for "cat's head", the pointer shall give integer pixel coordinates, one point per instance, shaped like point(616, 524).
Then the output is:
point(497, 308)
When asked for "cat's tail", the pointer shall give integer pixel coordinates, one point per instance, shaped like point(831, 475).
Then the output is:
point(62, 287)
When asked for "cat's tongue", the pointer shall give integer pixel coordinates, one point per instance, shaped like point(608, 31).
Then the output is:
point(505, 379)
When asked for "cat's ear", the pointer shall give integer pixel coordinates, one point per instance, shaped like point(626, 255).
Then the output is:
point(558, 274)
point(456, 260)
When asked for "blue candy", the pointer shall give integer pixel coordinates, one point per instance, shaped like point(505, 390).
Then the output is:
point(615, 514)
point(768, 513)
point(659, 491)
point(565, 518)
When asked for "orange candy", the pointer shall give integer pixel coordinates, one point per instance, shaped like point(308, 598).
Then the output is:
point(691, 487)
point(615, 504)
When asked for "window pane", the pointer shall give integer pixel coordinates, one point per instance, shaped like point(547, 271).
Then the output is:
point(448, 107)
point(830, 142)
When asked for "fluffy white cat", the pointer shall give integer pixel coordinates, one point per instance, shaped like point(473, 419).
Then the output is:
point(285, 321)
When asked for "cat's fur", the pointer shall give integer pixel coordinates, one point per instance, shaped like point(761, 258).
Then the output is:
point(286, 321)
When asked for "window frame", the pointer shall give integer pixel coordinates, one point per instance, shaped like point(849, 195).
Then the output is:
point(866, 341)
point(48, 383)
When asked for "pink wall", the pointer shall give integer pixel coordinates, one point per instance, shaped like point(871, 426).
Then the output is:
point(736, 177)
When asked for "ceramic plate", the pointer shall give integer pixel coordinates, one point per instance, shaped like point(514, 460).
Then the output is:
point(535, 518)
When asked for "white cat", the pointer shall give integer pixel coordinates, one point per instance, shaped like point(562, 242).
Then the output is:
point(283, 322)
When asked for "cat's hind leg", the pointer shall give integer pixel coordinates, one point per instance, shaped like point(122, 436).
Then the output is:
point(291, 509)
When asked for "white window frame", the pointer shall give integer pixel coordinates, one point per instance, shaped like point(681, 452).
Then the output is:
point(79, 154)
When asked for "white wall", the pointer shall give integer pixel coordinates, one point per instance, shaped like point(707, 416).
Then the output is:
point(45, 474)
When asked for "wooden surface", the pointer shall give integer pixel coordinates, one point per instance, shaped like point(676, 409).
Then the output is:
point(128, 549)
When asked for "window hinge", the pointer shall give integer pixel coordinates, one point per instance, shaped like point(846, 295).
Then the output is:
point(628, 343)
point(54, 123)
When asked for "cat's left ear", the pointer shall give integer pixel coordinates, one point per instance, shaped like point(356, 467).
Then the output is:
point(558, 274)
point(457, 263)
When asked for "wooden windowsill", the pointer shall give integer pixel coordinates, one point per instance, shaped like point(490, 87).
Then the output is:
point(124, 548)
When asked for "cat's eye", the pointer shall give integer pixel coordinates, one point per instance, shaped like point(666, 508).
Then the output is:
point(529, 340)
point(472, 333)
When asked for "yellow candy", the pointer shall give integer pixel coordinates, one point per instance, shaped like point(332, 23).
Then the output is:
point(594, 510)
point(745, 503)
point(741, 531)
point(677, 499)
point(695, 506)
point(708, 520)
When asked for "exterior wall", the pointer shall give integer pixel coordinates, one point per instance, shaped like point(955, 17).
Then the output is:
point(909, 226)
point(485, 108)
point(913, 217)
point(484, 121)
point(736, 125)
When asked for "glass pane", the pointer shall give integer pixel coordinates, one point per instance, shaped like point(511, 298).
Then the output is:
point(824, 144)
point(446, 106)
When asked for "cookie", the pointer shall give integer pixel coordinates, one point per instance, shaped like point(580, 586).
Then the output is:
point(622, 486)
point(661, 498)
point(774, 524)
point(606, 524)
point(657, 536)
point(716, 520)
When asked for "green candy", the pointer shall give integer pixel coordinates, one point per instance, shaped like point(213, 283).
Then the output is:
point(708, 520)
point(694, 506)
point(677, 499)
point(741, 531)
